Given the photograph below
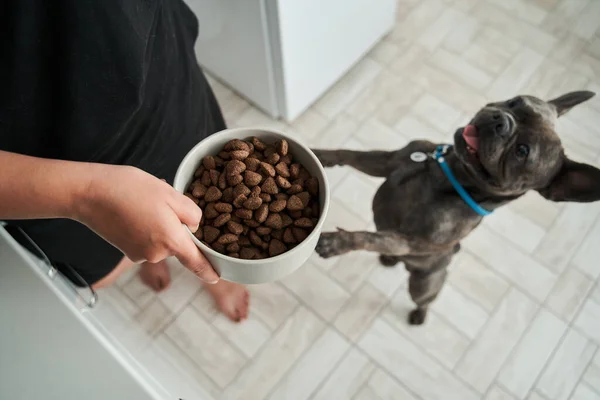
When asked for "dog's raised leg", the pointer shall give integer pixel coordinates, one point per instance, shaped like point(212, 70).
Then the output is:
point(374, 163)
point(424, 285)
point(336, 243)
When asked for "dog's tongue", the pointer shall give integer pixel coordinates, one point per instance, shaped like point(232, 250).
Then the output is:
point(471, 137)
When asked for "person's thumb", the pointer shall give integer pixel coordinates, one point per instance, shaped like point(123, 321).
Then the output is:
point(190, 256)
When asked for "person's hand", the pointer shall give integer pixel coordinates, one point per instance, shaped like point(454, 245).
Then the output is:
point(143, 216)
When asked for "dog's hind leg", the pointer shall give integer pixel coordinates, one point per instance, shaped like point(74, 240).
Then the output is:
point(424, 285)
point(374, 163)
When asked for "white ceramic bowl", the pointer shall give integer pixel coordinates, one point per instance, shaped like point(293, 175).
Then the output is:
point(268, 269)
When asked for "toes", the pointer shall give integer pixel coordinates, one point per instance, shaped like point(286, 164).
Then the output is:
point(388, 261)
point(417, 316)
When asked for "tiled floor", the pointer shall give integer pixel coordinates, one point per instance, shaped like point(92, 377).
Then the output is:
point(520, 316)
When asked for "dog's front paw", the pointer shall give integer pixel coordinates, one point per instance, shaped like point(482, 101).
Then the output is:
point(333, 244)
point(328, 158)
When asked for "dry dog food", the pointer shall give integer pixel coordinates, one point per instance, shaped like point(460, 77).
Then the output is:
point(256, 201)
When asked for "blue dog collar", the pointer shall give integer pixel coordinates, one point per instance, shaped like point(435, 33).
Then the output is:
point(438, 155)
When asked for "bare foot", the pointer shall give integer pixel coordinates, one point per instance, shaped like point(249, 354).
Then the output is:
point(232, 299)
point(156, 276)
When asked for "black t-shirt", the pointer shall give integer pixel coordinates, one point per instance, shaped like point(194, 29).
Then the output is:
point(112, 81)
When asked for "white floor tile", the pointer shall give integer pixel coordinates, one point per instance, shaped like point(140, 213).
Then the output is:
point(497, 393)
point(566, 366)
point(248, 336)
point(347, 378)
point(358, 313)
point(466, 315)
point(588, 320)
point(569, 292)
point(497, 340)
point(587, 256)
point(387, 388)
point(531, 354)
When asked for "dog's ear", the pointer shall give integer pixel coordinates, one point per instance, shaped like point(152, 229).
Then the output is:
point(574, 182)
point(567, 101)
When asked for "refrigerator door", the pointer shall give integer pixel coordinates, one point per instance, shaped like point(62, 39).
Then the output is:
point(50, 347)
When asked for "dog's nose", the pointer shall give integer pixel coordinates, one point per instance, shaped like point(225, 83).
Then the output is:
point(500, 124)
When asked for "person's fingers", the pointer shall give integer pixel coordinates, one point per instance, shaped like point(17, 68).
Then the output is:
point(187, 211)
point(190, 256)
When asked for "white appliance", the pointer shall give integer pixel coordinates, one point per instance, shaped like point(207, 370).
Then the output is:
point(282, 55)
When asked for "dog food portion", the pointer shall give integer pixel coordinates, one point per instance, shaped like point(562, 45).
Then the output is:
point(256, 201)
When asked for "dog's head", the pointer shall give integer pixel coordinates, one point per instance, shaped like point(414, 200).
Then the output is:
point(511, 147)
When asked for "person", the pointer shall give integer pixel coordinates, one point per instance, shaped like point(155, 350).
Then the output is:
point(100, 100)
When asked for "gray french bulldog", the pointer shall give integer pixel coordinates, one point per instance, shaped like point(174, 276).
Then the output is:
point(507, 149)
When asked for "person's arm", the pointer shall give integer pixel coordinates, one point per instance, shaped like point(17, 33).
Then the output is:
point(136, 212)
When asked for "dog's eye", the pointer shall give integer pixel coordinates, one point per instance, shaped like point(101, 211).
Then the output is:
point(517, 101)
point(522, 151)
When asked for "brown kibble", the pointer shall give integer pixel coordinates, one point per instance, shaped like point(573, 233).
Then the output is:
point(199, 234)
point(243, 241)
point(294, 203)
point(295, 189)
point(303, 223)
point(286, 220)
point(255, 192)
point(216, 246)
point(252, 203)
point(214, 176)
point(258, 144)
point(235, 167)
point(315, 209)
point(282, 182)
point(303, 174)
point(209, 162)
point(261, 213)
point(282, 196)
point(224, 155)
point(274, 221)
point(240, 189)
point(211, 234)
point(227, 238)
point(222, 183)
point(246, 228)
point(250, 146)
point(276, 247)
point(252, 164)
point(251, 223)
point(273, 159)
point(236, 144)
point(249, 253)
point(255, 239)
point(234, 247)
point(299, 234)
point(294, 171)
point(269, 186)
point(286, 159)
point(295, 214)
point(252, 178)
point(269, 150)
point(213, 194)
point(224, 207)
point(199, 190)
point(307, 212)
point(265, 197)
point(234, 255)
point(238, 202)
point(263, 230)
point(210, 212)
point(235, 227)
point(312, 185)
point(219, 161)
point(192, 198)
point(283, 170)
point(278, 234)
point(233, 180)
point(205, 180)
point(277, 206)
point(227, 195)
point(199, 171)
point(282, 147)
point(222, 220)
point(288, 236)
point(268, 169)
point(243, 213)
point(305, 197)
point(202, 203)
point(239, 154)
